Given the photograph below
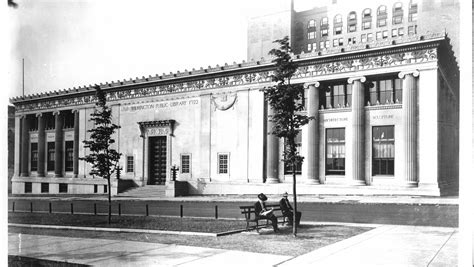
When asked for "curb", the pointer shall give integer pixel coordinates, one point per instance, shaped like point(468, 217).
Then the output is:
point(121, 230)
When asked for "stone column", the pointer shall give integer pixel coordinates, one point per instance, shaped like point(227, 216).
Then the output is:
point(313, 134)
point(58, 145)
point(25, 138)
point(358, 131)
point(75, 166)
point(409, 118)
point(272, 151)
point(41, 145)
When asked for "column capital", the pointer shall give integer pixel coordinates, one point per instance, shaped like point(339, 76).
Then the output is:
point(39, 114)
point(308, 84)
point(56, 112)
point(352, 79)
point(402, 74)
point(76, 110)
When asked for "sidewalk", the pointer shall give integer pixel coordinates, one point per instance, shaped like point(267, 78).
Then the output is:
point(387, 245)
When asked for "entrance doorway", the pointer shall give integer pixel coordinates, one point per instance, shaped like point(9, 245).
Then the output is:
point(157, 160)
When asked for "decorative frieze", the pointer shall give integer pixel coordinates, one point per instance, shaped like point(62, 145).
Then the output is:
point(304, 71)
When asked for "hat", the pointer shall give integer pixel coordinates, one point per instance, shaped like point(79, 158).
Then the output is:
point(285, 194)
point(262, 197)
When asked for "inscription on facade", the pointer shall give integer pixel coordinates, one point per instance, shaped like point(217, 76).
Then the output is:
point(158, 131)
point(382, 117)
point(335, 119)
point(161, 105)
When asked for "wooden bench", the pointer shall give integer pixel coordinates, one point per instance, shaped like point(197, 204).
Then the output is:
point(249, 213)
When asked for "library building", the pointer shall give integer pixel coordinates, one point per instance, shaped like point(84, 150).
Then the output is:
point(382, 83)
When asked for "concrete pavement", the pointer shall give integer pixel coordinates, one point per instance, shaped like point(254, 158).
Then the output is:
point(385, 245)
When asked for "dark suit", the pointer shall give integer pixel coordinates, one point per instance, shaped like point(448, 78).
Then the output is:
point(259, 209)
point(287, 210)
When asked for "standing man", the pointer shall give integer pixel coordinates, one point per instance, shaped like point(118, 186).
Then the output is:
point(262, 212)
point(287, 210)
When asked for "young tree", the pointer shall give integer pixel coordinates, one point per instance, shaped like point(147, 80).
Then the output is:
point(103, 158)
point(286, 100)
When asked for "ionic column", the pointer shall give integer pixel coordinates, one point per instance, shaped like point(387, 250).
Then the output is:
point(313, 133)
point(358, 131)
point(25, 138)
point(75, 166)
point(58, 145)
point(272, 151)
point(41, 145)
point(409, 115)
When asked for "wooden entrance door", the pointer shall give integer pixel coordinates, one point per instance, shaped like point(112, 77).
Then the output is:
point(157, 160)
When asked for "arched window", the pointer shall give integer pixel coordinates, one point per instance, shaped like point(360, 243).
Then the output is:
point(352, 22)
point(397, 13)
point(413, 11)
point(382, 10)
point(338, 19)
point(367, 13)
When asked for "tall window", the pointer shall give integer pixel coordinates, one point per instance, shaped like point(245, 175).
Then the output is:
point(69, 156)
point(386, 91)
point(51, 155)
point(68, 118)
point(397, 13)
point(382, 16)
point(311, 29)
point(335, 151)
point(352, 22)
point(130, 164)
point(288, 166)
point(413, 12)
point(338, 95)
point(337, 30)
point(366, 19)
point(186, 163)
point(383, 150)
point(34, 156)
point(223, 163)
point(49, 121)
point(324, 27)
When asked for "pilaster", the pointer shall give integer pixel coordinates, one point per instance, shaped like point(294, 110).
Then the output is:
point(58, 145)
point(41, 145)
point(313, 133)
point(272, 151)
point(358, 130)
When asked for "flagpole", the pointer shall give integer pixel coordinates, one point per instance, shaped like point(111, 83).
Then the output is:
point(23, 76)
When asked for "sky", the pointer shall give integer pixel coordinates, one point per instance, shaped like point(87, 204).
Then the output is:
point(74, 43)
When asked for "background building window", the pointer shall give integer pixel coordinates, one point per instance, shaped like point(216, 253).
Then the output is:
point(382, 10)
point(400, 31)
point(366, 25)
point(412, 12)
point(223, 163)
point(288, 166)
point(370, 37)
point(324, 32)
point(324, 21)
point(130, 164)
point(385, 34)
point(367, 13)
point(383, 150)
point(62, 188)
point(337, 30)
point(34, 156)
point(51, 155)
point(28, 187)
point(378, 35)
point(69, 156)
point(338, 19)
point(186, 163)
point(44, 188)
point(412, 30)
point(335, 151)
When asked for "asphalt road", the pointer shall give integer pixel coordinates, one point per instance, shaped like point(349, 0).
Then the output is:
point(381, 213)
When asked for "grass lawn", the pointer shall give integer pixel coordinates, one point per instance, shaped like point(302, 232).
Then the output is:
point(310, 237)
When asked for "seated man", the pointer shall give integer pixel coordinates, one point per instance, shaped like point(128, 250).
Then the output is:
point(287, 210)
point(261, 211)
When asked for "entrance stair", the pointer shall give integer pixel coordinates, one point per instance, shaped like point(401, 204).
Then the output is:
point(145, 191)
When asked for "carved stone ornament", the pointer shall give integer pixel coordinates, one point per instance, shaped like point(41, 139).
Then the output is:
point(224, 102)
point(156, 128)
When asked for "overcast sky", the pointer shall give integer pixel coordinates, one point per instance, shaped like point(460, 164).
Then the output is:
point(68, 43)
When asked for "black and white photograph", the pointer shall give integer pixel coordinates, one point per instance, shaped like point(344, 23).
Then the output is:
point(237, 133)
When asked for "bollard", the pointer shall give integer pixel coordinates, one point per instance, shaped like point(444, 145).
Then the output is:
point(13, 207)
point(181, 210)
point(31, 207)
point(95, 208)
point(72, 208)
point(216, 212)
point(50, 208)
point(119, 210)
point(146, 209)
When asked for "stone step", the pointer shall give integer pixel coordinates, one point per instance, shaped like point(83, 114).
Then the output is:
point(145, 191)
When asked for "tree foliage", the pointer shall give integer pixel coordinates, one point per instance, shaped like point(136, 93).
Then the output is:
point(287, 102)
point(102, 157)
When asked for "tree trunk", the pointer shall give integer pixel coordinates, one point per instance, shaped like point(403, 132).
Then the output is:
point(110, 200)
point(294, 200)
